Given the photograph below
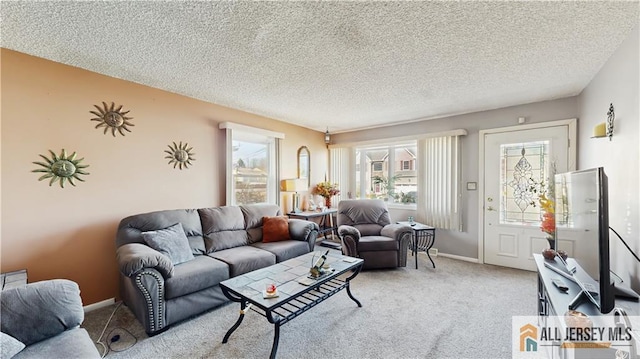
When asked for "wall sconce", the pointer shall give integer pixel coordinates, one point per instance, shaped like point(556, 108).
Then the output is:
point(294, 185)
point(327, 137)
point(610, 117)
point(605, 129)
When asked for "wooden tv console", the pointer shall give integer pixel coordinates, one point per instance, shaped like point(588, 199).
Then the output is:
point(553, 304)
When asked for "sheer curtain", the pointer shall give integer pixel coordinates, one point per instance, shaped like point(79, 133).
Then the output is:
point(438, 202)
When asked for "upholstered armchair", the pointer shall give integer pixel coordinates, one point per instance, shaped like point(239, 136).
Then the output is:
point(42, 320)
point(366, 232)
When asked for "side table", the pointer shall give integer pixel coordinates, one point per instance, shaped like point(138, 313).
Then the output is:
point(424, 237)
point(326, 224)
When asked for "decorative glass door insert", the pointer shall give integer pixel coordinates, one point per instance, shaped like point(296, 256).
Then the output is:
point(524, 167)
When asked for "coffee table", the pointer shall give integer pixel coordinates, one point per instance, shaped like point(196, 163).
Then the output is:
point(293, 298)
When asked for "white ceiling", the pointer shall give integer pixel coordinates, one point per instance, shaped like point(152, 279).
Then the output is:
point(345, 65)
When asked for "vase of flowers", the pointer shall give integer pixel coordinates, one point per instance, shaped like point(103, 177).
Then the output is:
point(548, 224)
point(545, 192)
point(326, 190)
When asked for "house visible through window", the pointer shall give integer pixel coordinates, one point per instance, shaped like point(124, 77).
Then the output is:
point(421, 174)
point(251, 165)
point(387, 177)
point(250, 161)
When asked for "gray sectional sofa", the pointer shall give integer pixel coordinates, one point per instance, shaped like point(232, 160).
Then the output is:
point(163, 286)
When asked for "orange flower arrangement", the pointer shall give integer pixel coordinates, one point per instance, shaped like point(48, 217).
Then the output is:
point(326, 189)
point(548, 224)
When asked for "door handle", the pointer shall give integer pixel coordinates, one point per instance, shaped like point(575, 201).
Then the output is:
point(490, 208)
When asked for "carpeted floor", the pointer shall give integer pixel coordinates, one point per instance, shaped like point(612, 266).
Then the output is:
point(458, 310)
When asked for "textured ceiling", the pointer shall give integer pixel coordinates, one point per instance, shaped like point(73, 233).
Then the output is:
point(345, 65)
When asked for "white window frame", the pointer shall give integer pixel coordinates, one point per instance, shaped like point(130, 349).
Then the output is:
point(346, 153)
point(388, 169)
point(240, 132)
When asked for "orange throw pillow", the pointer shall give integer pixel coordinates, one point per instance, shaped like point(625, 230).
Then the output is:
point(275, 229)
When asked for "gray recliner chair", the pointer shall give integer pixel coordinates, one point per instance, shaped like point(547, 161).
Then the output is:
point(366, 232)
point(42, 320)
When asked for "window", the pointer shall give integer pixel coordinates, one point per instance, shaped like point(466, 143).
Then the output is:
point(386, 180)
point(522, 166)
point(252, 166)
point(421, 173)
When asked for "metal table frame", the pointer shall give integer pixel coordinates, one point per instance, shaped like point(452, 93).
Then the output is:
point(423, 238)
point(283, 311)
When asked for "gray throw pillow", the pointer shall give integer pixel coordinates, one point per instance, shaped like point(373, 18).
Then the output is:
point(9, 345)
point(171, 242)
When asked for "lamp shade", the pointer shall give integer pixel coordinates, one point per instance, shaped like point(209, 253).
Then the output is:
point(294, 185)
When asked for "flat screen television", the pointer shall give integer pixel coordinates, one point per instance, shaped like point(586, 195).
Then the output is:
point(582, 225)
point(582, 221)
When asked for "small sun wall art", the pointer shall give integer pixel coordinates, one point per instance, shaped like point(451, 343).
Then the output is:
point(61, 168)
point(112, 118)
point(180, 155)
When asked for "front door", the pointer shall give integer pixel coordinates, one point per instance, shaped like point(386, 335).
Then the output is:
point(516, 162)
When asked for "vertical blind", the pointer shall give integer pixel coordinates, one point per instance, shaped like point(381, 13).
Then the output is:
point(439, 182)
point(438, 171)
point(339, 170)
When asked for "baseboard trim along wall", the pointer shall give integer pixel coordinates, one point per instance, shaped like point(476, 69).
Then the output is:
point(453, 256)
point(102, 304)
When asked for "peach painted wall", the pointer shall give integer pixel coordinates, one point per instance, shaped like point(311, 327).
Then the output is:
point(69, 232)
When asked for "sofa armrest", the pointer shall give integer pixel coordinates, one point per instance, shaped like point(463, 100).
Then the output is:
point(350, 237)
point(395, 230)
point(134, 257)
point(305, 231)
point(41, 310)
point(144, 294)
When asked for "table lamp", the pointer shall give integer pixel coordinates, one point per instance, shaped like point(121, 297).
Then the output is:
point(294, 185)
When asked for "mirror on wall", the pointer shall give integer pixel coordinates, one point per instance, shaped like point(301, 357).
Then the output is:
point(304, 164)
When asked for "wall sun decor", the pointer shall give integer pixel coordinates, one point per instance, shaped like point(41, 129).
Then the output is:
point(112, 118)
point(180, 155)
point(61, 168)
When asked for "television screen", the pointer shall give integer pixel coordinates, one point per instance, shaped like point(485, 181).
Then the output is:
point(582, 228)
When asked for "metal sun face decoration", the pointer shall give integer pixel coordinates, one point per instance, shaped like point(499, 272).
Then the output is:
point(61, 168)
point(180, 155)
point(112, 118)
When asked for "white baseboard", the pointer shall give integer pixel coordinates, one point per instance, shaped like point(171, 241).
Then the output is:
point(102, 304)
point(453, 256)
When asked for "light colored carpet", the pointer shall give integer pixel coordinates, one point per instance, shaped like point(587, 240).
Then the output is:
point(458, 310)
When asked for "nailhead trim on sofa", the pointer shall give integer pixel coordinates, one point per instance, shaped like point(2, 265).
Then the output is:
point(147, 297)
